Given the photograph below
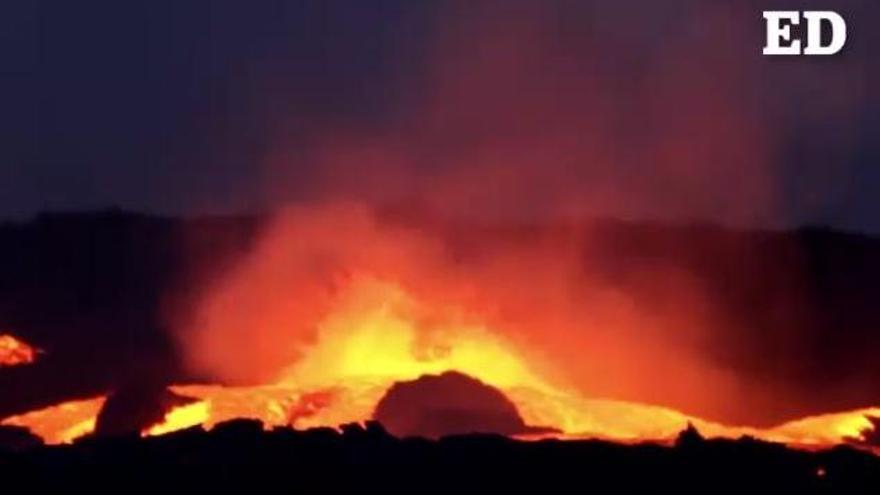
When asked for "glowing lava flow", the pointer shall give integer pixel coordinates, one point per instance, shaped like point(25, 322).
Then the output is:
point(825, 429)
point(372, 339)
point(179, 418)
point(14, 352)
point(370, 343)
point(61, 423)
point(364, 347)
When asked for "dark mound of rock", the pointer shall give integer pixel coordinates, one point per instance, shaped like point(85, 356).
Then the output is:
point(16, 438)
point(452, 403)
point(135, 407)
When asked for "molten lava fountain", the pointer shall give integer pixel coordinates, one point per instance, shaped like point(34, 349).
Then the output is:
point(332, 309)
point(370, 344)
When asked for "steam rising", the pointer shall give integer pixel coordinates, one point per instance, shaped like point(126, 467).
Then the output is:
point(529, 114)
point(542, 111)
point(539, 297)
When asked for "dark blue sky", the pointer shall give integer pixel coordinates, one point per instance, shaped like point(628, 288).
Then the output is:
point(185, 106)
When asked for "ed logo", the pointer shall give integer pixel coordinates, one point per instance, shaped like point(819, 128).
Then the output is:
point(781, 40)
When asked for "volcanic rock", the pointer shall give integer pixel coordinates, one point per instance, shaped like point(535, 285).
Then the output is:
point(452, 403)
point(136, 407)
point(17, 438)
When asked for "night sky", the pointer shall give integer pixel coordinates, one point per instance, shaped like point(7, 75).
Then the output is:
point(197, 106)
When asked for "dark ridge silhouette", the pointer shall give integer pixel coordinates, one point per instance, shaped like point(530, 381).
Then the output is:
point(452, 403)
point(240, 457)
point(90, 290)
point(17, 438)
point(689, 436)
point(135, 407)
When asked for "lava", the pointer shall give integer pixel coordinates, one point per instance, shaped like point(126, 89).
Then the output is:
point(181, 417)
point(333, 310)
point(372, 340)
point(14, 352)
point(60, 423)
point(369, 344)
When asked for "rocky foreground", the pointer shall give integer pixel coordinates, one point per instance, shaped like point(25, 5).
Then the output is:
point(240, 457)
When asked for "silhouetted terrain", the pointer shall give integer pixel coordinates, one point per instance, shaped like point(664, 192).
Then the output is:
point(239, 456)
point(89, 289)
point(92, 290)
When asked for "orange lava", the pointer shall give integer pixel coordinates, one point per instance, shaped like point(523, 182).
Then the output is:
point(14, 352)
point(372, 340)
point(179, 418)
point(332, 310)
point(370, 343)
point(61, 423)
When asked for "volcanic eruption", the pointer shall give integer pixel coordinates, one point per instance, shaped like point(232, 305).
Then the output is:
point(435, 275)
point(341, 314)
